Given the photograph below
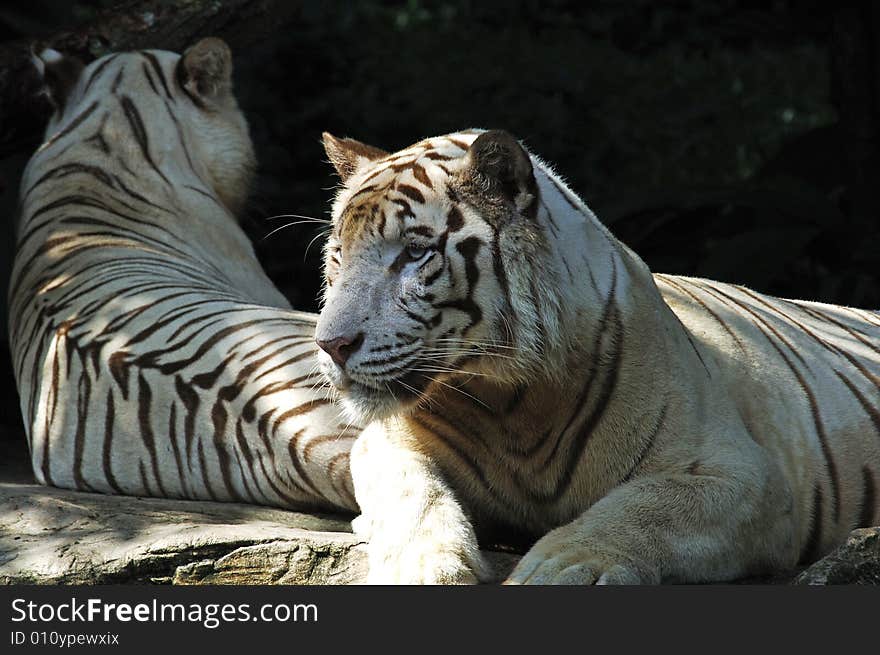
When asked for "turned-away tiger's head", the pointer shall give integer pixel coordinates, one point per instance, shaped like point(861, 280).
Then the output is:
point(122, 103)
point(430, 265)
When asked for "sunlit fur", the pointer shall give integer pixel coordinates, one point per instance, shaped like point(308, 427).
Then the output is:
point(646, 428)
point(153, 356)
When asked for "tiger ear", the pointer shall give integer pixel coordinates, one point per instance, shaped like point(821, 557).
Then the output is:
point(204, 71)
point(502, 167)
point(59, 74)
point(348, 155)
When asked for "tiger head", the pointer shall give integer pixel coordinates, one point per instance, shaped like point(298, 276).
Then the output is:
point(131, 95)
point(435, 268)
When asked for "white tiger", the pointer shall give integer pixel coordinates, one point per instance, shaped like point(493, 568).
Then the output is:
point(152, 354)
point(524, 368)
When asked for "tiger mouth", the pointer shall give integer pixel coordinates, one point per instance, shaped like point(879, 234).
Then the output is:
point(384, 398)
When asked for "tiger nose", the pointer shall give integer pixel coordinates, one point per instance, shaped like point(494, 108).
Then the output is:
point(341, 348)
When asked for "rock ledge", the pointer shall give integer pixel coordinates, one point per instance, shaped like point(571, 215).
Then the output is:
point(55, 536)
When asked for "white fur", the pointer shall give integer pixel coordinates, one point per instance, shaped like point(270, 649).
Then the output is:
point(111, 246)
point(711, 403)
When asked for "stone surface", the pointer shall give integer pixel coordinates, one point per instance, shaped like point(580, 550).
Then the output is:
point(55, 536)
point(855, 562)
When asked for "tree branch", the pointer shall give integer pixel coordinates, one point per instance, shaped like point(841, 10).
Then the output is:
point(133, 25)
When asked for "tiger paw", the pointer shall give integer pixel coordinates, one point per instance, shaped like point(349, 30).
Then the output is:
point(362, 526)
point(559, 558)
point(422, 562)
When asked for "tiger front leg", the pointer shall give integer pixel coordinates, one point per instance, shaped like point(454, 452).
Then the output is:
point(417, 531)
point(690, 527)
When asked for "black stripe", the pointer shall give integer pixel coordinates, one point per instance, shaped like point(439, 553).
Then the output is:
point(506, 309)
point(154, 62)
point(70, 169)
point(182, 138)
point(106, 456)
point(203, 467)
point(262, 426)
point(190, 401)
point(298, 464)
point(298, 338)
point(577, 446)
point(83, 396)
point(708, 309)
point(218, 419)
point(869, 499)
point(172, 436)
point(209, 379)
point(248, 412)
point(249, 460)
point(144, 401)
point(97, 139)
point(150, 79)
point(460, 454)
point(75, 123)
point(98, 70)
point(648, 444)
point(302, 408)
point(137, 196)
point(411, 192)
point(794, 351)
point(824, 344)
point(119, 77)
point(811, 398)
point(47, 428)
point(133, 116)
point(342, 486)
point(468, 249)
point(812, 547)
point(296, 358)
point(580, 402)
point(149, 359)
point(872, 412)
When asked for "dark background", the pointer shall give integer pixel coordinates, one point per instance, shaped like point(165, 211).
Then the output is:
point(730, 139)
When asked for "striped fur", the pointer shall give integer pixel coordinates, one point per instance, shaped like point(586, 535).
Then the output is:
point(529, 371)
point(152, 354)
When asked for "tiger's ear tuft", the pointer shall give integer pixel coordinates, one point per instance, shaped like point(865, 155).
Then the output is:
point(205, 71)
point(348, 155)
point(58, 73)
point(503, 167)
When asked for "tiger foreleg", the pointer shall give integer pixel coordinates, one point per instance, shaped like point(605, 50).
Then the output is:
point(670, 528)
point(417, 531)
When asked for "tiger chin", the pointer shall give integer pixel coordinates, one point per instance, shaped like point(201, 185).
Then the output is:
point(523, 368)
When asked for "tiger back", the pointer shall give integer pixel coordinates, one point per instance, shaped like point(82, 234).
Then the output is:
point(153, 356)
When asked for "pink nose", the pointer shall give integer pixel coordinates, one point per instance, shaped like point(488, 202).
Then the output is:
point(341, 348)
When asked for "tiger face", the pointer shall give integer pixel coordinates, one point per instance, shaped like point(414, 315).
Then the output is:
point(430, 252)
point(136, 93)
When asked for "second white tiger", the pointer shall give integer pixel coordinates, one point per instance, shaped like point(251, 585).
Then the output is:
point(152, 354)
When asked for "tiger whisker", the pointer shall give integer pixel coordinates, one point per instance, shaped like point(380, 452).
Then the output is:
point(444, 354)
point(422, 397)
point(315, 238)
point(278, 229)
point(462, 351)
point(467, 342)
point(464, 393)
point(307, 219)
point(453, 371)
point(472, 347)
